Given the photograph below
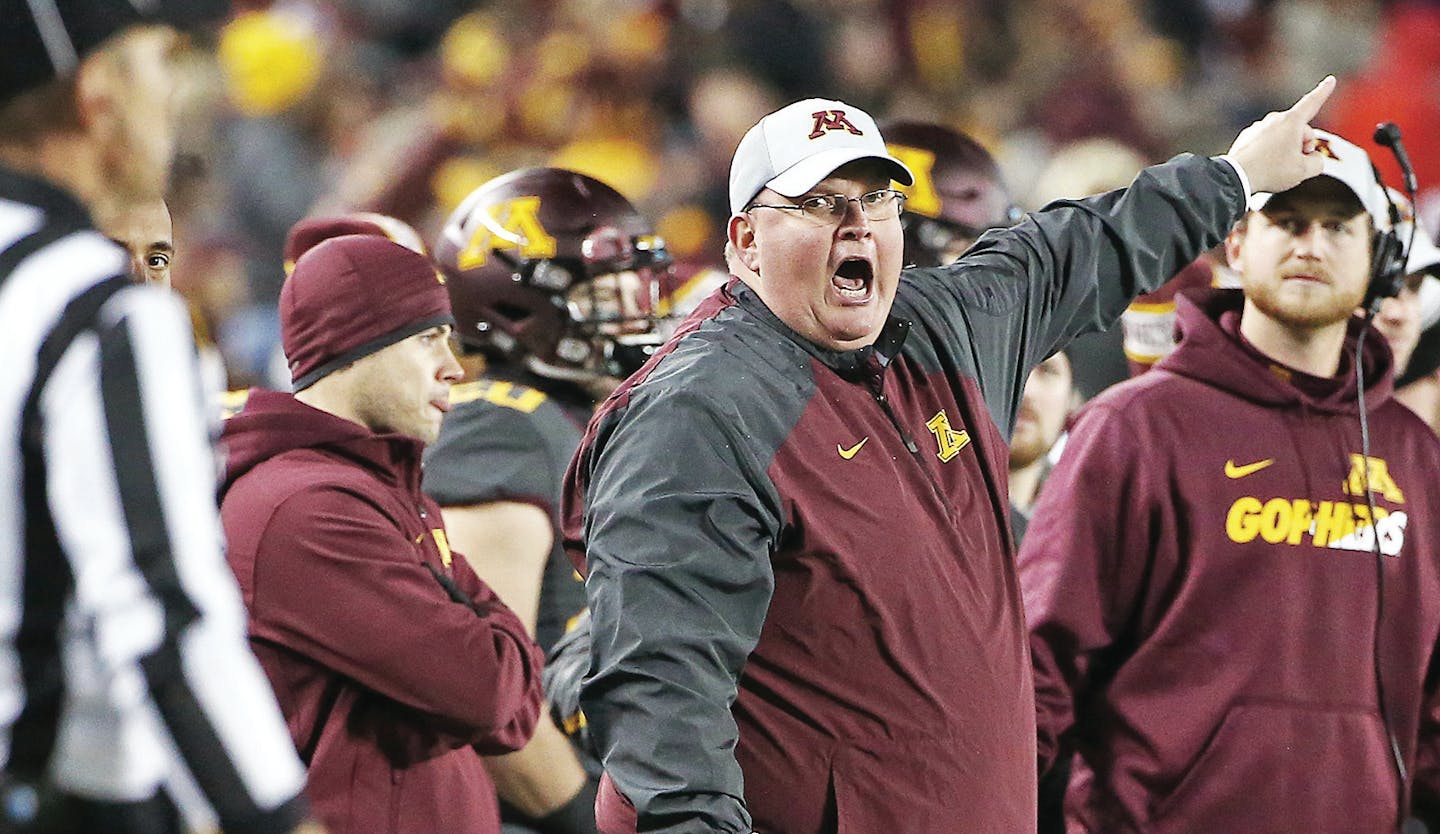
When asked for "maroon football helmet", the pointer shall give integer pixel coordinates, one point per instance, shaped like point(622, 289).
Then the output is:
point(957, 193)
point(522, 255)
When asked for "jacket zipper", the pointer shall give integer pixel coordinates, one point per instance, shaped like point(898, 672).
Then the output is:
point(877, 392)
point(884, 403)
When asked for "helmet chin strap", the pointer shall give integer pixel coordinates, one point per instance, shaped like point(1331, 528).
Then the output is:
point(551, 371)
point(598, 385)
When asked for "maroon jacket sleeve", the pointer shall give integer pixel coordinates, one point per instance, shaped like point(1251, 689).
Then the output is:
point(1082, 563)
point(338, 582)
point(517, 733)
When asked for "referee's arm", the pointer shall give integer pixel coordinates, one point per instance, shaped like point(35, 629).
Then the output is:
point(132, 484)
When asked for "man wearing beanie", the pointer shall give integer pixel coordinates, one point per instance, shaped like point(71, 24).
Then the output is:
point(805, 611)
point(395, 666)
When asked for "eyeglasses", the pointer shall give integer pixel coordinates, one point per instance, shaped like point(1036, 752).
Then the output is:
point(884, 204)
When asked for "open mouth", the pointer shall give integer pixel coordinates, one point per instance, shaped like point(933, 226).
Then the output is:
point(853, 278)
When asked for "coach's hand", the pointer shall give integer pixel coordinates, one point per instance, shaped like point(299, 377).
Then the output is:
point(1277, 151)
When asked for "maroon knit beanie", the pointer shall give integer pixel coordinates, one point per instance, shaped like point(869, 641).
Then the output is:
point(349, 297)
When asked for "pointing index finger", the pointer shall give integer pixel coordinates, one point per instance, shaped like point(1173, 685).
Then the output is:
point(1310, 103)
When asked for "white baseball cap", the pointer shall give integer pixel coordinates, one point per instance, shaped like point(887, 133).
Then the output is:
point(797, 146)
point(1350, 164)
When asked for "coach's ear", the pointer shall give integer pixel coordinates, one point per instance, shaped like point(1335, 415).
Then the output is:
point(1235, 240)
point(742, 249)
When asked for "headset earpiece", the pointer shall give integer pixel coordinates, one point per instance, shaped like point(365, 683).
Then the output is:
point(1387, 255)
point(1387, 268)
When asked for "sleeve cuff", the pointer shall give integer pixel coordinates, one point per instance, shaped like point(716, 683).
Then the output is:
point(1239, 172)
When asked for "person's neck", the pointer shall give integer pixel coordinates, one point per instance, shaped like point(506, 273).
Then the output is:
point(1312, 350)
point(1025, 482)
point(65, 160)
point(327, 394)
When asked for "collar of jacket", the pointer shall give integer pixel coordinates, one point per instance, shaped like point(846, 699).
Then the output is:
point(1212, 351)
point(863, 364)
point(60, 206)
point(274, 422)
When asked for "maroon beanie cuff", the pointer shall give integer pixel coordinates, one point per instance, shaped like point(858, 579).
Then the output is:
point(364, 349)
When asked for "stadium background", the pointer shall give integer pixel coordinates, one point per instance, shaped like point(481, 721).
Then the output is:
point(404, 106)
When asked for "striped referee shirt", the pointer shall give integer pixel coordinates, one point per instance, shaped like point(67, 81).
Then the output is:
point(123, 657)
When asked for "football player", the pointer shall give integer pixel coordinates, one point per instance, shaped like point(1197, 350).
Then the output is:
point(556, 281)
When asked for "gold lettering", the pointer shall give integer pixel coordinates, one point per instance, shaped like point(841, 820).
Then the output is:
point(1242, 522)
point(1379, 476)
point(1275, 520)
point(442, 544)
point(922, 196)
point(574, 723)
point(515, 224)
point(1287, 521)
point(1333, 521)
point(505, 394)
point(1300, 522)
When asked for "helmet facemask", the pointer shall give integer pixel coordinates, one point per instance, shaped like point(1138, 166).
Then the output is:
point(557, 271)
point(610, 303)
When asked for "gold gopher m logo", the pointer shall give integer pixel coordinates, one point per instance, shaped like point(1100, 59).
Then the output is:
point(827, 120)
point(514, 224)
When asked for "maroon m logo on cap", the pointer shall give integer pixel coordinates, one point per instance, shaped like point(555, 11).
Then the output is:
point(1322, 147)
point(831, 120)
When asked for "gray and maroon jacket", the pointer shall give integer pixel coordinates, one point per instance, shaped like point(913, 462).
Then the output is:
point(1200, 582)
point(806, 613)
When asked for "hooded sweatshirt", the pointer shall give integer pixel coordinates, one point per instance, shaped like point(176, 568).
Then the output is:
point(1200, 584)
point(395, 666)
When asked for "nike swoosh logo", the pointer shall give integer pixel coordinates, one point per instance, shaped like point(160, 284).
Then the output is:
point(853, 450)
point(1232, 471)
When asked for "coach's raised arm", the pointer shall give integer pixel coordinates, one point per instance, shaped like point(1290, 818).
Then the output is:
point(802, 489)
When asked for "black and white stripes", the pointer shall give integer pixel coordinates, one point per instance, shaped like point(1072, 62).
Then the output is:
point(122, 634)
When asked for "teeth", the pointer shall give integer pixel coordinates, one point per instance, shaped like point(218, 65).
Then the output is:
point(850, 287)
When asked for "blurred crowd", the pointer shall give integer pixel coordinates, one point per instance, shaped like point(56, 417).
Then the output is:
point(309, 106)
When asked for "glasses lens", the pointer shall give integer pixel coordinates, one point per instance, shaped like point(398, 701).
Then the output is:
point(881, 205)
point(823, 208)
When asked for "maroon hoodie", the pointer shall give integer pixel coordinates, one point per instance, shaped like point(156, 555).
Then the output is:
point(1201, 593)
point(391, 682)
